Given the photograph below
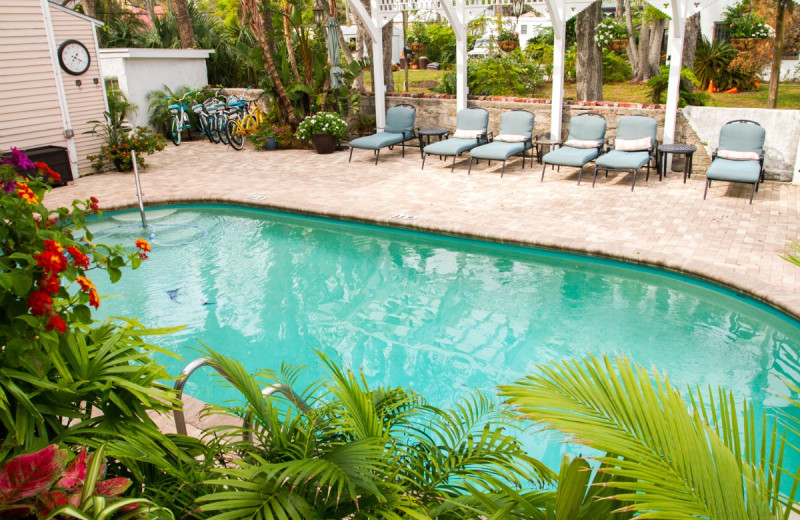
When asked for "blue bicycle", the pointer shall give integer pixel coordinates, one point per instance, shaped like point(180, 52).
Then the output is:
point(180, 118)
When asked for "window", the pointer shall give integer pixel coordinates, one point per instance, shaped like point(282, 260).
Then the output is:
point(523, 29)
point(721, 32)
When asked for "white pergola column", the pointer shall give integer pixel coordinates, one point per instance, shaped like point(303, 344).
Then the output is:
point(456, 15)
point(557, 11)
point(374, 27)
point(675, 53)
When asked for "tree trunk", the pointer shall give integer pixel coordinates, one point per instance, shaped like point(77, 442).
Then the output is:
point(90, 8)
point(386, 35)
point(185, 30)
point(287, 38)
point(589, 62)
point(633, 50)
point(620, 9)
point(654, 48)
point(258, 27)
point(691, 34)
point(151, 10)
point(775, 72)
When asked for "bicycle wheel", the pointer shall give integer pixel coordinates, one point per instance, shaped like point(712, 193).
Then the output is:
point(249, 124)
point(175, 131)
point(222, 128)
point(213, 131)
point(206, 127)
point(235, 135)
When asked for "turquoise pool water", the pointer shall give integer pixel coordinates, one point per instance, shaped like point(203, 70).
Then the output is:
point(441, 315)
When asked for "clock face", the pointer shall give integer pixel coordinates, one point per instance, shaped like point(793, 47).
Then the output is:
point(73, 57)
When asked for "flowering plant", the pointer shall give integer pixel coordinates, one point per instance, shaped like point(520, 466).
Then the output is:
point(609, 29)
point(284, 137)
point(507, 34)
point(418, 34)
point(321, 123)
point(743, 24)
point(119, 143)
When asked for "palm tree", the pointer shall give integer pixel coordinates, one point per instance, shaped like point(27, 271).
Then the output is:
point(670, 459)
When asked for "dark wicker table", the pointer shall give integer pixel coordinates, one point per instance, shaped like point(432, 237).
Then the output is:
point(430, 132)
point(676, 149)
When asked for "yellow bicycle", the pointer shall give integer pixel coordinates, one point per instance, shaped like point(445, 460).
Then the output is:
point(246, 119)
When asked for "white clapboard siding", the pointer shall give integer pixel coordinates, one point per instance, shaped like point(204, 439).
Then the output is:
point(30, 114)
point(87, 102)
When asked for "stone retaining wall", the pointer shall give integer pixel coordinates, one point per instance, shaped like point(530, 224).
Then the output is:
point(440, 110)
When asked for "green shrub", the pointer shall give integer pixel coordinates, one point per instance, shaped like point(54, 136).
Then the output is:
point(510, 74)
point(616, 68)
point(659, 85)
point(712, 63)
point(442, 47)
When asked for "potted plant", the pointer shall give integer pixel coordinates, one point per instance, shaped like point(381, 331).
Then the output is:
point(119, 142)
point(418, 39)
point(611, 34)
point(745, 29)
point(271, 136)
point(507, 40)
point(323, 129)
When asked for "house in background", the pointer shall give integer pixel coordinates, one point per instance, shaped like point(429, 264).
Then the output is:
point(51, 82)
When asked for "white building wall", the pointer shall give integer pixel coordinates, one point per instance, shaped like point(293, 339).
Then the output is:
point(140, 71)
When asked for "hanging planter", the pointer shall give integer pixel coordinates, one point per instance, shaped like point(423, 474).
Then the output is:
point(507, 45)
point(417, 46)
point(618, 45)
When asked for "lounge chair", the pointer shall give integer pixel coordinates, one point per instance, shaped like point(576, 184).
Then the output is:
point(584, 143)
point(515, 137)
point(634, 146)
point(399, 129)
point(739, 156)
point(471, 131)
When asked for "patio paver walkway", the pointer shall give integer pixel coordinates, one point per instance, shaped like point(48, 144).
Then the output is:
point(660, 223)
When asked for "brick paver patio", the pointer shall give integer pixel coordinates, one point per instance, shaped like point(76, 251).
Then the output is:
point(660, 223)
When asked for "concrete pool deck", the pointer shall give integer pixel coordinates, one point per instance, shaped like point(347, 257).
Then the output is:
point(662, 223)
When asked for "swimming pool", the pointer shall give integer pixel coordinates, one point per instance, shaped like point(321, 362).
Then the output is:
point(441, 315)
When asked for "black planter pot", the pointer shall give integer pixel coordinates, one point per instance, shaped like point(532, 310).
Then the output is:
point(323, 143)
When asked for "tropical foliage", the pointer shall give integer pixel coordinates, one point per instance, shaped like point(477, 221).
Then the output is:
point(712, 61)
point(658, 86)
point(706, 458)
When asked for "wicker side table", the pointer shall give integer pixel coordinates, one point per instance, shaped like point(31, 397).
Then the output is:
point(676, 149)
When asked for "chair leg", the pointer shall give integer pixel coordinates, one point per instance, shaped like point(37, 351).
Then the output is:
point(377, 156)
point(633, 184)
point(753, 192)
point(544, 169)
point(453, 167)
point(594, 179)
point(403, 148)
point(424, 155)
point(503, 169)
point(708, 183)
point(469, 172)
point(351, 154)
point(490, 162)
point(580, 174)
point(559, 168)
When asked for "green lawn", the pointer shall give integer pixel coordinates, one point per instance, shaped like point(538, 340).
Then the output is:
point(788, 94)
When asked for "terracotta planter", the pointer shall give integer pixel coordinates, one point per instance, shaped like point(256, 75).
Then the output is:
point(744, 44)
point(618, 45)
point(324, 143)
point(508, 45)
point(417, 46)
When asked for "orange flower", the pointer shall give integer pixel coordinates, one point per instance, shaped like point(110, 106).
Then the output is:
point(143, 244)
point(26, 193)
point(94, 299)
point(85, 283)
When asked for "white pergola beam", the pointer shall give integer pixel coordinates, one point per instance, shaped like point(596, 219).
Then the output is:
point(456, 15)
point(374, 29)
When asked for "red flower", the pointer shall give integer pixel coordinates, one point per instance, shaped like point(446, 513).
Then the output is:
point(52, 245)
point(57, 323)
point(49, 284)
point(78, 258)
point(24, 192)
point(143, 244)
point(51, 261)
point(40, 303)
point(94, 298)
point(94, 203)
point(46, 169)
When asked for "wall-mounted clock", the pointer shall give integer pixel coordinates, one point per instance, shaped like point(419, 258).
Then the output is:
point(73, 56)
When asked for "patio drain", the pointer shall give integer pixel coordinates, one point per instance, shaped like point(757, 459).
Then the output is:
point(256, 197)
point(400, 216)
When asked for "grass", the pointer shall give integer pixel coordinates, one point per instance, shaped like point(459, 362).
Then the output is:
point(788, 93)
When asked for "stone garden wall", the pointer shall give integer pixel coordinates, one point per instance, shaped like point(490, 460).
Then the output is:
point(440, 110)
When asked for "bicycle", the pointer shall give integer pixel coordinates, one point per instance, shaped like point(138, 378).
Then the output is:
point(180, 119)
point(246, 120)
point(207, 118)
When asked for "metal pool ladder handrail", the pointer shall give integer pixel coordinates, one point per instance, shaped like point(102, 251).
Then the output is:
point(277, 388)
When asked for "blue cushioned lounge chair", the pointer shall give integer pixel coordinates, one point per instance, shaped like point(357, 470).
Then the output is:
point(399, 129)
point(583, 145)
point(634, 146)
point(471, 130)
point(515, 137)
point(740, 155)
